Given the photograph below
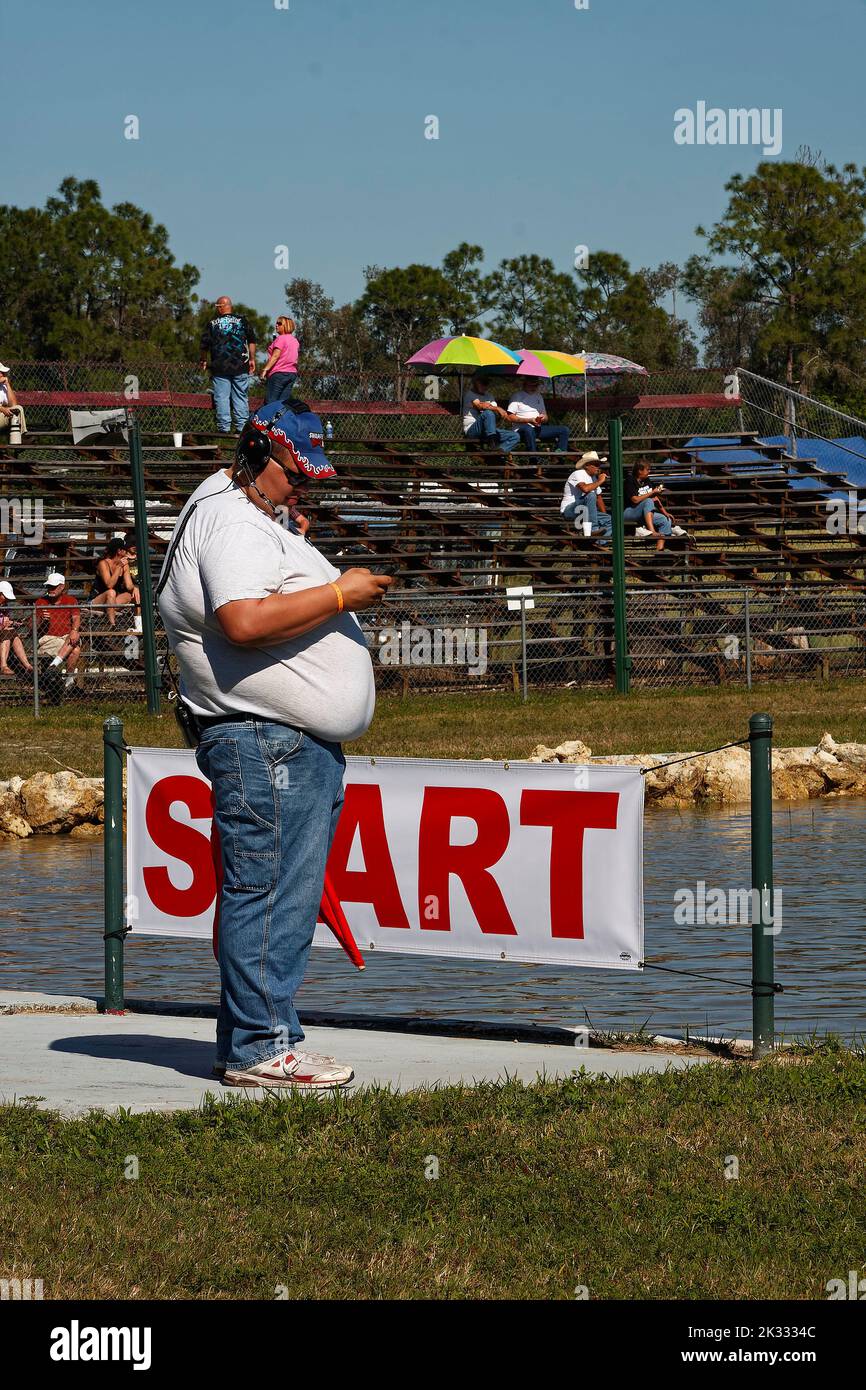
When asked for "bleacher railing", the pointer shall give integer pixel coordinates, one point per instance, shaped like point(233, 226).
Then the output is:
point(774, 410)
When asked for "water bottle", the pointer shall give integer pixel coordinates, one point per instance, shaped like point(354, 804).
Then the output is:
point(15, 427)
point(329, 429)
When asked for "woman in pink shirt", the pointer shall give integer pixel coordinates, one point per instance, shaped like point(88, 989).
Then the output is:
point(281, 369)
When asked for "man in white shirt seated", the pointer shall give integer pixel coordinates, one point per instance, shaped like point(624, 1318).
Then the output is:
point(480, 416)
point(527, 412)
point(582, 501)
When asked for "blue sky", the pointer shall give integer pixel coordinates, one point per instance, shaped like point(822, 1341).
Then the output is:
point(305, 126)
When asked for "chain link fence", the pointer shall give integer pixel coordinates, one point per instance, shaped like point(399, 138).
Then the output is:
point(423, 643)
point(82, 653)
point(678, 638)
point(172, 398)
point(427, 642)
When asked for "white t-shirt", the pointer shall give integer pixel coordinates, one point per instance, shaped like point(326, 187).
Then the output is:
point(571, 492)
point(471, 412)
point(321, 682)
point(527, 405)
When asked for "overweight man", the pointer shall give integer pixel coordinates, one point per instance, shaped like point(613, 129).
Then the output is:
point(276, 673)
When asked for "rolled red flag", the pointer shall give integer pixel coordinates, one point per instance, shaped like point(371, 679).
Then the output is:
point(332, 914)
point(331, 910)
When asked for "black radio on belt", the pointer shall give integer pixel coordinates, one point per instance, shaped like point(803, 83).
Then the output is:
point(187, 722)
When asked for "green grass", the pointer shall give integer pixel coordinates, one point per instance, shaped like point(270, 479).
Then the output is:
point(490, 725)
point(619, 1186)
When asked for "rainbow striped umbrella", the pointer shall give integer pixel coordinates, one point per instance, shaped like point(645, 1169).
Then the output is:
point(542, 362)
point(464, 353)
point(553, 363)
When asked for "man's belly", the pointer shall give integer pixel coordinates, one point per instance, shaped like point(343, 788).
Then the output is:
point(325, 687)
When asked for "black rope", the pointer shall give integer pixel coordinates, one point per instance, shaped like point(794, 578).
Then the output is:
point(690, 757)
point(118, 748)
point(772, 985)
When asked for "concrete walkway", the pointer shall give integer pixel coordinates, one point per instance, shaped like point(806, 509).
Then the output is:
point(80, 1060)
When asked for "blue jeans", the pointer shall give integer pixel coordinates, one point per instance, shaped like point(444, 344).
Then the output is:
point(545, 434)
point(278, 793)
point(279, 386)
point(485, 428)
point(586, 509)
point(231, 389)
point(640, 513)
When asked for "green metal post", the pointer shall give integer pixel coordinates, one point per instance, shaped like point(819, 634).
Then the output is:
point(112, 754)
point(145, 582)
point(763, 903)
point(617, 502)
point(34, 628)
point(524, 673)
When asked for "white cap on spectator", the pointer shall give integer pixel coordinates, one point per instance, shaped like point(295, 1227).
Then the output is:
point(4, 368)
point(592, 457)
point(6, 589)
point(53, 579)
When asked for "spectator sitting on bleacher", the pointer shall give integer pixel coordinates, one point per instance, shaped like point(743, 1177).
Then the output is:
point(582, 501)
point(644, 505)
point(9, 638)
point(9, 406)
point(109, 587)
point(58, 620)
point(130, 576)
point(480, 413)
point(527, 413)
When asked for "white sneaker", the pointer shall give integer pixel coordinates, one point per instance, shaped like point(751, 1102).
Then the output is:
point(643, 532)
point(310, 1070)
point(678, 531)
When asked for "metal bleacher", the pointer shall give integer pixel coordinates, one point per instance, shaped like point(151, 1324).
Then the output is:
point(444, 517)
point(440, 514)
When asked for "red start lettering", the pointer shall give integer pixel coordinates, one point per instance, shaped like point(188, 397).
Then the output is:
point(567, 814)
point(438, 858)
point(376, 883)
point(182, 842)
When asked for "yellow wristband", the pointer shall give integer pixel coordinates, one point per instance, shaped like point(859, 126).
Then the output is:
point(339, 592)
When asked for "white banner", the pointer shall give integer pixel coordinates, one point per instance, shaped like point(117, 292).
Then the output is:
point(482, 860)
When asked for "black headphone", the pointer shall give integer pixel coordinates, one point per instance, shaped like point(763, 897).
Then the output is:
point(253, 450)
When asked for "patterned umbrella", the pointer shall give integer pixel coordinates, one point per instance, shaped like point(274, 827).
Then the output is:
point(463, 352)
point(602, 364)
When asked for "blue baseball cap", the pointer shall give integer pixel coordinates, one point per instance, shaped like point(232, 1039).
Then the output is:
point(300, 433)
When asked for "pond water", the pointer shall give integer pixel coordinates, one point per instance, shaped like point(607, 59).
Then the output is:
point(50, 939)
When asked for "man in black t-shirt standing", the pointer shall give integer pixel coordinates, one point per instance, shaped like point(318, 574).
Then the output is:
point(229, 343)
